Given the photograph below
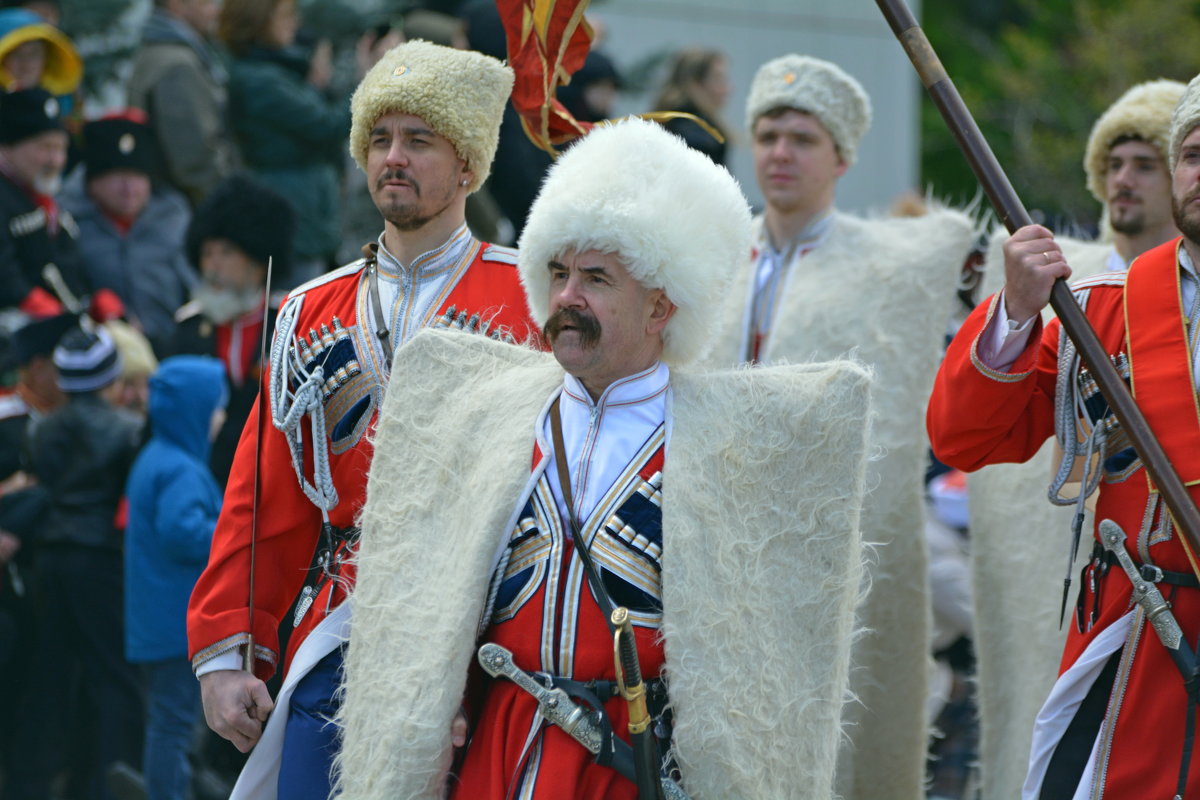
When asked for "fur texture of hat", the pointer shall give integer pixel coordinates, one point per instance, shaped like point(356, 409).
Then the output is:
point(1186, 117)
point(459, 93)
point(253, 216)
point(677, 221)
point(818, 87)
point(1145, 112)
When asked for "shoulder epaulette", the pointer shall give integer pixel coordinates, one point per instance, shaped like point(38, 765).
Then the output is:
point(1101, 279)
point(500, 254)
point(341, 272)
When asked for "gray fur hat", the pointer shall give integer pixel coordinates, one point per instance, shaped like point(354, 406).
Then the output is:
point(1186, 117)
point(818, 87)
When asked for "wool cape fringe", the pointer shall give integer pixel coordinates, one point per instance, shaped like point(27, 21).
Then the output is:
point(884, 290)
point(1019, 541)
point(762, 563)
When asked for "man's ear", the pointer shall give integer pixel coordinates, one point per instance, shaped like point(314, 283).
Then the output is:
point(466, 175)
point(661, 311)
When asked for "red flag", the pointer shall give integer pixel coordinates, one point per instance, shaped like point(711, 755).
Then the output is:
point(548, 41)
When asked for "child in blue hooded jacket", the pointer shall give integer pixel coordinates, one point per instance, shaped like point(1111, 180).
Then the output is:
point(173, 506)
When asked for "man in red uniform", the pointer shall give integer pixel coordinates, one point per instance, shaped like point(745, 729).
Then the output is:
point(1118, 717)
point(424, 125)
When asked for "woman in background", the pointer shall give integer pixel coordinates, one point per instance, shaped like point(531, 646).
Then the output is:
point(697, 84)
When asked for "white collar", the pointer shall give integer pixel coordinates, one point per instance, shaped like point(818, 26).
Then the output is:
point(641, 387)
point(430, 263)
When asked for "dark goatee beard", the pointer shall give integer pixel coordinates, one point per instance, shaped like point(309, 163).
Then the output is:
point(1189, 226)
point(588, 327)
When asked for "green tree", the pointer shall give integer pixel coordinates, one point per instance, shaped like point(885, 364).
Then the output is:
point(1037, 73)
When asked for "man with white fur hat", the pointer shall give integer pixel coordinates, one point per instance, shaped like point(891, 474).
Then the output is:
point(1020, 636)
point(681, 486)
point(425, 121)
point(1118, 721)
point(819, 283)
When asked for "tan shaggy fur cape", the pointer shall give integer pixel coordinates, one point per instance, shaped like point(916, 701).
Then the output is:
point(1019, 542)
point(884, 290)
point(761, 570)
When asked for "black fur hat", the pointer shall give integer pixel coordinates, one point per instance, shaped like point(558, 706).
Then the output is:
point(248, 213)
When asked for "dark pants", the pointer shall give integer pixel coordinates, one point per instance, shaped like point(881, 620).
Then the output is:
point(311, 740)
point(79, 679)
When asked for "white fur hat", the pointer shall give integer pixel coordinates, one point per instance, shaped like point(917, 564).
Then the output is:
point(460, 93)
point(678, 222)
point(822, 89)
point(1186, 117)
point(1145, 112)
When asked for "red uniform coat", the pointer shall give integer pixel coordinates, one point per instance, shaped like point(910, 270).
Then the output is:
point(288, 522)
point(544, 612)
point(978, 416)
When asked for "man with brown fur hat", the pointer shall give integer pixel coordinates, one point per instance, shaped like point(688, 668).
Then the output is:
point(1120, 719)
point(424, 125)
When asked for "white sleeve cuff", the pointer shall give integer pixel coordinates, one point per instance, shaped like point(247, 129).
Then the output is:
point(231, 659)
point(1003, 340)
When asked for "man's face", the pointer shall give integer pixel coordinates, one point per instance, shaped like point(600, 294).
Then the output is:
point(414, 175)
point(1185, 187)
point(120, 192)
point(25, 64)
point(39, 160)
point(603, 324)
point(796, 162)
point(200, 15)
point(1138, 188)
point(232, 282)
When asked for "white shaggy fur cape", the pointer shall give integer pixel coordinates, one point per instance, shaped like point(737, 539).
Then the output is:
point(1018, 555)
point(761, 565)
point(884, 290)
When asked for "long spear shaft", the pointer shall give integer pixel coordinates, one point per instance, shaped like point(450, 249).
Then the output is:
point(1012, 212)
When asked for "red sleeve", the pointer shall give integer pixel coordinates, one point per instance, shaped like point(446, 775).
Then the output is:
point(979, 416)
point(288, 529)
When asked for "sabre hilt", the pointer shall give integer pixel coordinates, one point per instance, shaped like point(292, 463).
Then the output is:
point(1154, 605)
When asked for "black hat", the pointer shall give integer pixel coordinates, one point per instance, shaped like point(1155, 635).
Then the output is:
point(117, 142)
point(39, 337)
point(28, 112)
point(87, 360)
point(254, 217)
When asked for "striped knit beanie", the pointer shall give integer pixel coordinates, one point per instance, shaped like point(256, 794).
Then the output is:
point(87, 360)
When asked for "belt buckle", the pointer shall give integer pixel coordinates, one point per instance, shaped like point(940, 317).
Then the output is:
point(1151, 572)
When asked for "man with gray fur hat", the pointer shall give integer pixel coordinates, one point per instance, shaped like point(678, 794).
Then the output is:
point(820, 283)
point(424, 126)
point(1119, 715)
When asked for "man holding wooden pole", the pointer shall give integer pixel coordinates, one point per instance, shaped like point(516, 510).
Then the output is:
point(1121, 718)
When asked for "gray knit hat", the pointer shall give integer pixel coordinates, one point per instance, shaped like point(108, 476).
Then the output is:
point(1143, 112)
point(818, 87)
point(87, 360)
point(1186, 117)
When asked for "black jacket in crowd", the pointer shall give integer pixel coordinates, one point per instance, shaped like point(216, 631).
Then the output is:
point(82, 453)
point(27, 245)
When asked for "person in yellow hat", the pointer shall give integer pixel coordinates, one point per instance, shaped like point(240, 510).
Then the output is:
point(35, 54)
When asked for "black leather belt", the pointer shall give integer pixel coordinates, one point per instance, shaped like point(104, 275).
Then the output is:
point(1150, 572)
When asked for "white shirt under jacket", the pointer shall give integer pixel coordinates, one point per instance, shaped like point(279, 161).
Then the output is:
point(601, 437)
